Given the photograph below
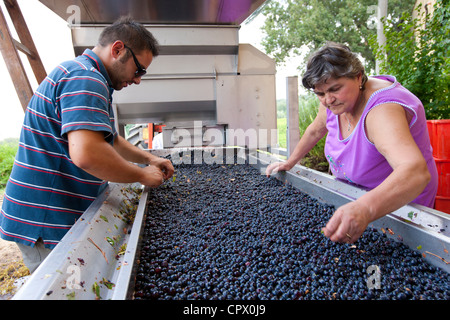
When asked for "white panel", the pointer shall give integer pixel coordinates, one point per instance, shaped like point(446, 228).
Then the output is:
point(167, 35)
point(175, 90)
point(192, 64)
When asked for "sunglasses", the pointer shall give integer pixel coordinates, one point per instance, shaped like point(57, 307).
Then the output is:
point(140, 71)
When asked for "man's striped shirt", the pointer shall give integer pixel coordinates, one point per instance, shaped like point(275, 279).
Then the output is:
point(46, 192)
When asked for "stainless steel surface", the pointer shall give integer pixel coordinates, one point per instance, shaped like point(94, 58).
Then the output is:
point(174, 40)
point(123, 277)
point(88, 254)
point(178, 87)
point(202, 73)
point(216, 80)
point(197, 134)
point(420, 228)
point(158, 11)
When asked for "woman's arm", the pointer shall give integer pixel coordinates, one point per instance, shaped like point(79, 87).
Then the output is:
point(387, 127)
point(313, 133)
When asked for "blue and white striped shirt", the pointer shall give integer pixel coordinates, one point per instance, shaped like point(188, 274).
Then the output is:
point(47, 192)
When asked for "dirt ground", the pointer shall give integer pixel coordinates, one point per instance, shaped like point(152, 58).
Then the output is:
point(9, 253)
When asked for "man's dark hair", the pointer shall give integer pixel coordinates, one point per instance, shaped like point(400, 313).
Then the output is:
point(132, 34)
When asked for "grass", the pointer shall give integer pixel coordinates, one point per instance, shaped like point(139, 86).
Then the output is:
point(9, 274)
point(8, 150)
point(281, 126)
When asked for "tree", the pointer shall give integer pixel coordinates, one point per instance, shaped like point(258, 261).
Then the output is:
point(295, 26)
point(417, 53)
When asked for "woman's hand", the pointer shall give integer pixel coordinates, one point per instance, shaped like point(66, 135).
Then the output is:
point(273, 168)
point(347, 223)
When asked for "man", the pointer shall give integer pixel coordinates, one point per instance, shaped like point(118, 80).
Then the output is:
point(69, 147)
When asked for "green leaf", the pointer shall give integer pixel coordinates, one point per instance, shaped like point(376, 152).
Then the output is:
point(71, 296)
point(110, 241)
point(96, 290)
point(107, 283)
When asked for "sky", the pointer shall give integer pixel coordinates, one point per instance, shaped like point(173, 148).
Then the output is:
point(52, 38)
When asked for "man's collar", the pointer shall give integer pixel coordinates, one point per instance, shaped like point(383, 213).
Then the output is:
point(97, 64)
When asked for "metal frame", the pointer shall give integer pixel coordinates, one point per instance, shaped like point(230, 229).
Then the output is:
point(174, 11)
point(85, 255)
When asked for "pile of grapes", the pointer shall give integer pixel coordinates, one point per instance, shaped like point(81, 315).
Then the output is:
point(225, 231)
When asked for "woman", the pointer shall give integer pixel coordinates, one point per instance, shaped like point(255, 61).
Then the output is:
point(377, 138)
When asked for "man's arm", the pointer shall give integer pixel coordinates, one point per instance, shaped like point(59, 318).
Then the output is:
point(130, 152)
point(90, 152)
point(136, 155)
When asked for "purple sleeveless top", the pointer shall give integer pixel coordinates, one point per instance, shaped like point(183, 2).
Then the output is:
point(356, 160)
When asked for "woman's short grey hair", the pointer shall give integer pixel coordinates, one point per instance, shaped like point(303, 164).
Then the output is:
point(333, 60)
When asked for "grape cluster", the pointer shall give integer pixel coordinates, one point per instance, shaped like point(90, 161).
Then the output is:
point(225, 231)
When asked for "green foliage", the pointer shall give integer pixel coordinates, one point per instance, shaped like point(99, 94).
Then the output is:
point(281, 108)
point(417, 54)
point(8, 149)
point(292, 26)
point(281, 126)
point(308, 108)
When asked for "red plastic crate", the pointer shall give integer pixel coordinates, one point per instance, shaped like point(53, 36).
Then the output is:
point(430, 131)
point(442, 204)
point(443, 169)
point(439, 131)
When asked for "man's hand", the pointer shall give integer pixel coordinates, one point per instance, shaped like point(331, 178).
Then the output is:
point(136, 155)
point(153, 177)
point(164, 165)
